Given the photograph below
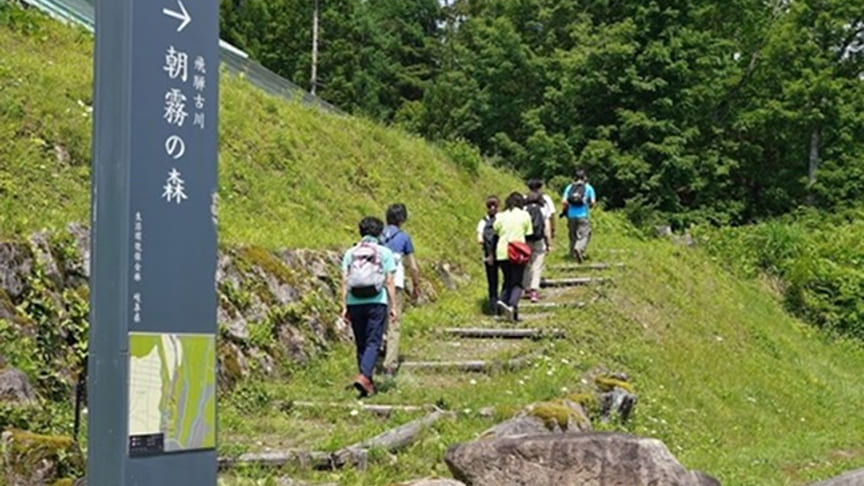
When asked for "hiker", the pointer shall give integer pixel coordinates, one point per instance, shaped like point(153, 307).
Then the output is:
point(367, 288)
point(578, 198)
point(512, 253)
point(399, 242)
point(487, 239)
point(541, 209)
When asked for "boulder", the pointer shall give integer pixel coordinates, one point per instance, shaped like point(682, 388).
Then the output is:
point(557, 416)
point(854, 478)
point(432, 482)
point(15, 388)
point(587, 459)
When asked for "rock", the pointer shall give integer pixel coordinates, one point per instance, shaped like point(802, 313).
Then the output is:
point(40, 244)
point(543, 418)
point(31, 459)
point(618, 402)
point(664, 231)
point(81, 237)
point(853, 478)
point(16, 265)
point(232, 321)
point(432, 482)
point(588, 459)
point(15, 388)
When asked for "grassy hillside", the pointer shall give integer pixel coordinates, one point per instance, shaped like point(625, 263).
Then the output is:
point(289, 176)
point(727, 379)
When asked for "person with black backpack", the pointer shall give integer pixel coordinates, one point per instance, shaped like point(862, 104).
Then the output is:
point(541, 209)
point(487, 239)
point(367, 289)
point(578, 198)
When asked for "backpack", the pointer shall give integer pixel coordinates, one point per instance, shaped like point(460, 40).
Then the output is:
point(576, 196)
point(490, 238)
point(365, 277)
point(538, 222)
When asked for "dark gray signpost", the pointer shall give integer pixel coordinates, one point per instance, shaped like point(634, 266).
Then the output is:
point(152, 365)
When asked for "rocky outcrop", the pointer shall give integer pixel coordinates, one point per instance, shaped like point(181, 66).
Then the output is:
point(274, 307)
point(854, 478)
point(588, 459)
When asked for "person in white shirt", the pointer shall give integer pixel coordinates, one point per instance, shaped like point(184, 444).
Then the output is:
point(541, 239)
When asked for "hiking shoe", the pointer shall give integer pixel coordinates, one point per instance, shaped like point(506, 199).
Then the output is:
point(364, 386)
point(535, 297)
point(578, 256)
point(507, 310)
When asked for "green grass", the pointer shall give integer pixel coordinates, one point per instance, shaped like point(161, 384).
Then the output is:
point(733, 384)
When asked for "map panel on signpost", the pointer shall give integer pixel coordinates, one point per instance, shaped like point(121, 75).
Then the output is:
point(172, 393)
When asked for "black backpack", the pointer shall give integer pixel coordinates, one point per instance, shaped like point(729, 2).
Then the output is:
point(576, 196)
point(538, 222)
point(490, 238)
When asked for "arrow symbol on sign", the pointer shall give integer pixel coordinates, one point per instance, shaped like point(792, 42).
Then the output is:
point(181, 15)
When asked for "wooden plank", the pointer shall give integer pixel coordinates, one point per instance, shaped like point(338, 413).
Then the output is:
point(585, 266)
point(507, 333)
point(471, 366)
point(572, 282)
point(551, 305)
point(377, 409)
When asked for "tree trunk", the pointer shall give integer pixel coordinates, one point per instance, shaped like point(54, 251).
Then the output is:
point(313, 78)
point(815, 140)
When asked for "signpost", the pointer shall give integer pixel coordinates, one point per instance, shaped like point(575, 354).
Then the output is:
point(152, 364)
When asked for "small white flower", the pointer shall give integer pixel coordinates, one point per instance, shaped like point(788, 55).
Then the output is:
point(354, 413)
point(564, 389)
point(565, 361)
point(549, 373)
point(466, 411)
point(521, 382)
point(473, 381)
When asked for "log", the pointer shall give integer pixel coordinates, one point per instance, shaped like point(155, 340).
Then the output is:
point(572, 282)
point(391, 440)
point(508, 333)
point(356, 455)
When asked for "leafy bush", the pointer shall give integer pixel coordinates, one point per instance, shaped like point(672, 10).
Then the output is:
point(818, 258)
point(465, 155)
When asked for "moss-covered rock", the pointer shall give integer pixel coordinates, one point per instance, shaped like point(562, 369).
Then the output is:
point(32, 459)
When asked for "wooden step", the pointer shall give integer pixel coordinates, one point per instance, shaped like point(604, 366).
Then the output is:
point(470, 366)
point(383, 410)
point(572, 282)
point(544, 306)
point(507, 333)
point(585, 266)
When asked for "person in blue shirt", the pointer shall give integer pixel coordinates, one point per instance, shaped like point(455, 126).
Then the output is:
point(399, 242)
point(368, 269)
point(578, 198)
